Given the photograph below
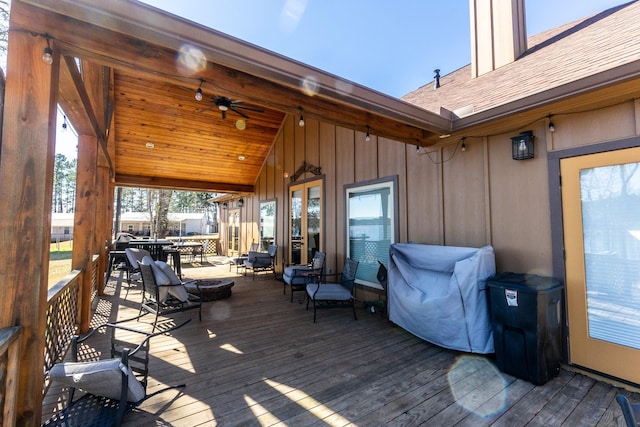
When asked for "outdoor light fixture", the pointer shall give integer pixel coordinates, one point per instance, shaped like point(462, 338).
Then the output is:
point(463, 147)
point(301, 121)
point(367, 137)
point(552, 128)
point(198, 95)
point(47, 56)
point(224, 206)
point(240, 202)
point(522, 146)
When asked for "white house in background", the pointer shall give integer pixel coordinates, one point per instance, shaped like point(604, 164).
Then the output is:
point(180, 224)
point(61, 227)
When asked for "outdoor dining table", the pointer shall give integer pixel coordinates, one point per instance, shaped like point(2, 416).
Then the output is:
point(187, 247)
point(155, 247)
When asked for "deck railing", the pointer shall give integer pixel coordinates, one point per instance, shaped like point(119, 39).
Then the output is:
point(63, 310)
point(9, 371)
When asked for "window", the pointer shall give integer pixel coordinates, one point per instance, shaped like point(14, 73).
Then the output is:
point(267, 224)
point(372, 225)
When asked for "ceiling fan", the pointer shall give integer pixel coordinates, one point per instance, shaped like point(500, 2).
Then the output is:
point(225, 104)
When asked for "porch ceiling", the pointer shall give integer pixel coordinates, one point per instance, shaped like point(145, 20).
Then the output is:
point(152, 94)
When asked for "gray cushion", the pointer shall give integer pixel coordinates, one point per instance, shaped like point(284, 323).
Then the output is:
point(102, 378)
point(168, 271)
point(329, 292)
point(293, 274)
point(158, 274)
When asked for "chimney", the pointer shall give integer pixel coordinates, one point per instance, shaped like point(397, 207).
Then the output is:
point(498, 34)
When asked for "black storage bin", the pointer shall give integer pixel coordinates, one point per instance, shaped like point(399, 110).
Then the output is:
point(526, 312)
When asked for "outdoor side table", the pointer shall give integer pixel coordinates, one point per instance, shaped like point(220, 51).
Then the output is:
point(238, 261)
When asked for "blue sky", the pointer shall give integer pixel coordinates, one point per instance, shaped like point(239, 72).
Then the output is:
point(390, 46)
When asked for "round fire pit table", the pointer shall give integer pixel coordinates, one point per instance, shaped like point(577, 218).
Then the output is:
point(212, 289)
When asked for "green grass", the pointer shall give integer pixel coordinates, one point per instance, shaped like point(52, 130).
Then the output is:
point(59, 261)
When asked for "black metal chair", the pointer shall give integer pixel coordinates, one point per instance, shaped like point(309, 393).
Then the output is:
point(297, 276)
point(163, 297)
point(630, 411)
point(338, 294)
point(112, 386)
point(261, 261)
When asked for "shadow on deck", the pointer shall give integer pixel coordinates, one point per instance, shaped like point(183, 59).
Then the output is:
point(257, 359)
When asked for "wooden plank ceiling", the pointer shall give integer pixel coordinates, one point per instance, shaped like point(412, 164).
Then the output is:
point(141, 51)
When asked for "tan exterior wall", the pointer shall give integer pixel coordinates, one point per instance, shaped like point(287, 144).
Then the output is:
point(472, 198)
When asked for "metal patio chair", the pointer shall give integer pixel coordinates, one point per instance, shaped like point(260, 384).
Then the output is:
point(297, 276)
point(111, 387)
point(337, 294)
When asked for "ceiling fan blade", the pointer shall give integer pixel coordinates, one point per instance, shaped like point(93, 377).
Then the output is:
point(248, 107)
point(239, 112)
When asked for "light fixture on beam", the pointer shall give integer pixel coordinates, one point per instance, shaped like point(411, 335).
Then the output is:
point(198, 94)
point(47, 55)
point(301, 121)
point(367, 137)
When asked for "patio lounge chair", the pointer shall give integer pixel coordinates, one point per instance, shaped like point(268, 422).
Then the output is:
point(297, 276)
point(339, 294)
point(630, 411)
point(111, 386)
point(261, 261)
point(163, 292)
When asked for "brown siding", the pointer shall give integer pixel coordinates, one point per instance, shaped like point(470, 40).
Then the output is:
point(473, 198)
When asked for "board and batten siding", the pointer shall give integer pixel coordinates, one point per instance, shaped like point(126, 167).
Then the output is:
point(446, 196)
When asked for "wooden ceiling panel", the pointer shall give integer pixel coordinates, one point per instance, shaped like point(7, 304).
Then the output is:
point(190, 139)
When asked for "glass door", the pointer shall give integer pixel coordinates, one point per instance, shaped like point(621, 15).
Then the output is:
point(600, 202)
point(305, 225)
point(233, 234)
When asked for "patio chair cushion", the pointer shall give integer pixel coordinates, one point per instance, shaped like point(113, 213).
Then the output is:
point(329, 292)
point(158, 274)
point(168, 271)
point(102, 378)
point(175, 288)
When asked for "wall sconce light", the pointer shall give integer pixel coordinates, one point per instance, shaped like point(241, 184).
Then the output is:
point(301, 121)
point(47, 55)
point(240, 202)
point(522, 146)
point(552, 127)
point(224, 206)
point(198, 95)
point(463, 147)
point(367, 137)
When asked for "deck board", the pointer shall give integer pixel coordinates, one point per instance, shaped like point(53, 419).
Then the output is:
point(257, 359)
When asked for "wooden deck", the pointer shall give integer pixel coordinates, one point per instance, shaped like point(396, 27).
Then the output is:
point(256, 359)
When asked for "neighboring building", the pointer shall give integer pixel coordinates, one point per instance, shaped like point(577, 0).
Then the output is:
point(180, 224)
point(61, 226)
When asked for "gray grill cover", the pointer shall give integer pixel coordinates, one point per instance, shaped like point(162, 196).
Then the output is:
point(439, 294)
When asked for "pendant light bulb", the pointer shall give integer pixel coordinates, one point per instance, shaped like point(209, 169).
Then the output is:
point(199, 94)
point(301, 121)
point(47, 55)
point(367, 137)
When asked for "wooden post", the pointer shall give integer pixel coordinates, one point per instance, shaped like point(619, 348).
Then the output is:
point(85, 221)
point(26, 184)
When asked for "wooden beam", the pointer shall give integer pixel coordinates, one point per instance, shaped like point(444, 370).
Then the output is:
point(26, 184)
point(98, 128)
point(134, 52)
point(153, 182)
point(85, 221)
